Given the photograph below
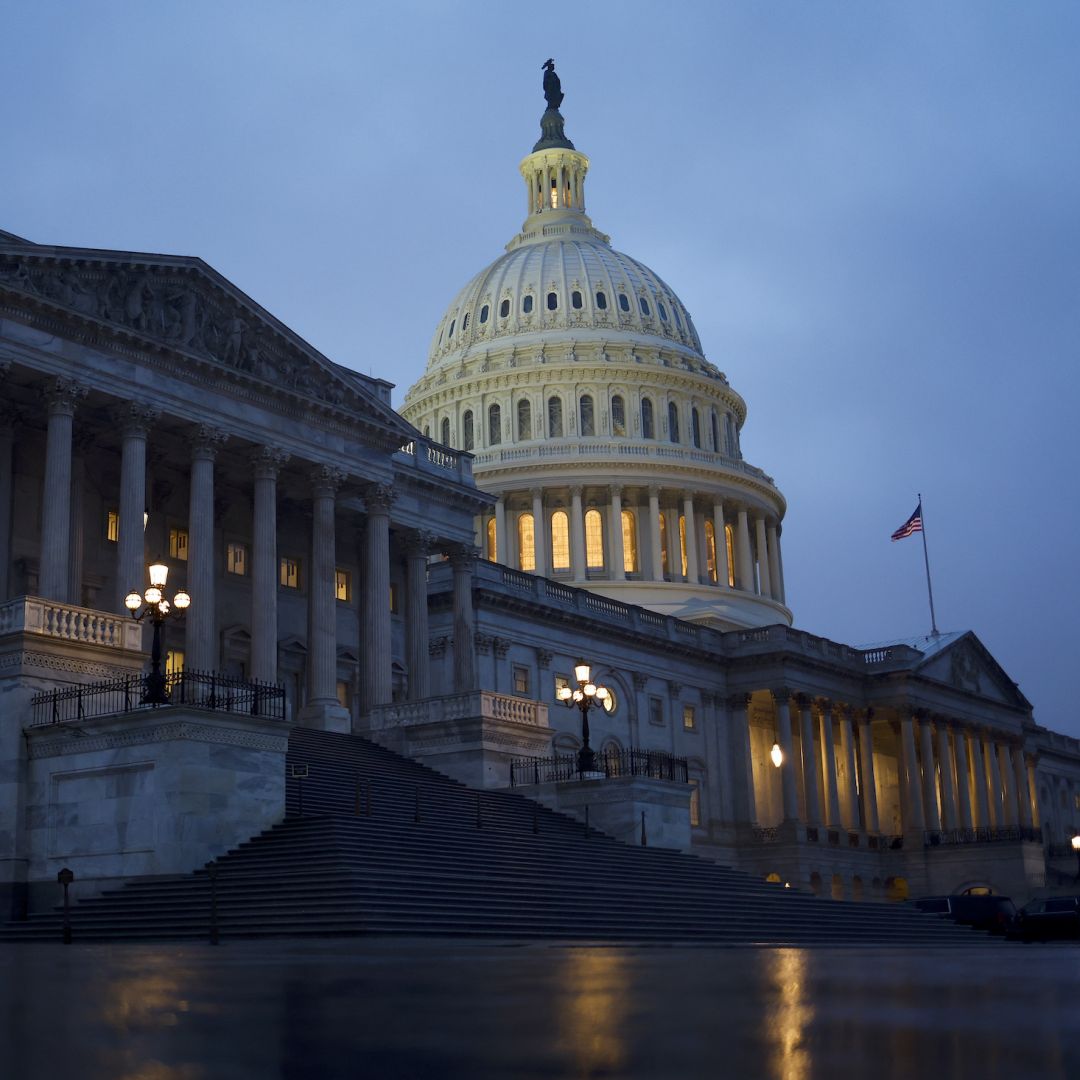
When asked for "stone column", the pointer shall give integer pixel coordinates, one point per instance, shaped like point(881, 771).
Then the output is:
point(693, 573)
point(869, 779)
point(764, 583)
point(577, 534)
point(61, 395)
point(744, 574)
point(722, 569)
point(787, 768)
point(201, 645)
point(1010, 812)
point(982, 795)
point(539, 531)
point(828, 747)
point(810, 762)
point(774, 563)
point(134, 421)
point(378, 669)
point(929, 776)
point(851, 792)
point(417, 548)
point(618, 573)
point(963, 777)
point(654, 535)
point(1032, 790)
point(743, 769)
point(461, 561)
point(948, 785)
point(1020, 785)
point(266, 462)
point(996, 804)
point(910, 767)
point(7, 488)
point(502, 546)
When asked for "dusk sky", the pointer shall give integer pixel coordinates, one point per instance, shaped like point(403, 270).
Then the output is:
point(872, 211)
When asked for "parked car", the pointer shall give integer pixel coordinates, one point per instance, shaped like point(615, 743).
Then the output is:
point(1049, 918)
point(995, 914)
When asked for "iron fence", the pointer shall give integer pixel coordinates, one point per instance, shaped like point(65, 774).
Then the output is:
point(655, 764)
point(190, 689)
point(948, 837)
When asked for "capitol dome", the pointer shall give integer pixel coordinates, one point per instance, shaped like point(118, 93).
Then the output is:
point(575, 376)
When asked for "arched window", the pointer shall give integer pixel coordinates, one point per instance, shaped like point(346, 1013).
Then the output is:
point(468, 436)
point(695, 423)
point(678, 320)
point(618, 415)
point(629, 542)
point(526, 303)
point(673, 421)
point(504, 309)
point(710, 551)
point(624, 301)
point(451, 334)
point(682, 544)
point(445, 433)
point(729, 543)
point(715, 433)
point(465, 323)
point(484, 314)
point(594, 540)
point(427, 431)
point(664, 563)
point(585, 415)
point(575, 300)
point(644, 305)
point(555, 428)
point(601, 302)
point(524, 420)
point(494, 425)
point(663, 310)
point(492, 548)
point(560, 541)
point(526, 543)
point(552, 301)
point(646, 419)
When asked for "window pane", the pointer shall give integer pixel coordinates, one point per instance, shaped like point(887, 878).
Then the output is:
point(710, 550)
point(594, 540)
point(575, 300)
point(689, 719)
point(552, 301)
point(682, 542)
point(696, 419)
point(174, 661)
point(644, 304)
point(445, 433)
point(290, 573)
point(526, 543)
point(178, 543)
point(524, 419)
point(492, 542)
point(664, 563)
point(673, 421)
point(624, 303)
point(112, 526)
point(494, 425)
point(618, 415)
point(646, 419)
point(236, 559)
point(715, 433)
point(504, 309)
point(629, 542)
point(484, 314)
point(560, 541)
point(526, 304)
point(343, 585)
point(555, 428)
point(729, 543)
point(586, 409)
point(468, 438)
point(601, 301)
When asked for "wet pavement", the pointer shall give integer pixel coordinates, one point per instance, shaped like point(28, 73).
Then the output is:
point(449, 1010)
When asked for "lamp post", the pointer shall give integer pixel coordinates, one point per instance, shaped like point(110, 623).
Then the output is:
point(158, 609)
point(584, 697)
point(1076, 848)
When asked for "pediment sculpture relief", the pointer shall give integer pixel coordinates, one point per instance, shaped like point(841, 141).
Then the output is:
point(964, 669)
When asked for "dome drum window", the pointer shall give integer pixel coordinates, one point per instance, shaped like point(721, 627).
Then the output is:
point(601, 301)
point(504, 309)
point(465, 323)
point(575, 300)
point(618, 415)
point(453, 323)
point(647, 429)
point(644, 305)
point(524, 420)
point(444, 432)
point(467, 433)
point(484, 314)
point(555, 419)
point(527, 303)
point(552, 301)
point(586, 416)
point(494, 425)
point(673, 421)
point(624, 302)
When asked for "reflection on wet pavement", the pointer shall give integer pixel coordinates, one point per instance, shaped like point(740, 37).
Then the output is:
point(452, 1010)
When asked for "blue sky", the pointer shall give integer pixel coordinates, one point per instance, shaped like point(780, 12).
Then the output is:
point(870, 209)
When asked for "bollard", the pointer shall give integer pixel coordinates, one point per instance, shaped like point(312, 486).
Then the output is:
point(416, 808)
point(479, 821)
point(644, 838)
point(66, 877)
point(212, 873)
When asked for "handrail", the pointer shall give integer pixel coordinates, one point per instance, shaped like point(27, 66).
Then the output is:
point(655, 764)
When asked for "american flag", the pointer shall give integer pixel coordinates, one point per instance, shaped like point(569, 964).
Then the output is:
point(912, 525)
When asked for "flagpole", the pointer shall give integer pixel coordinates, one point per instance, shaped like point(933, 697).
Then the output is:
point(926, 558)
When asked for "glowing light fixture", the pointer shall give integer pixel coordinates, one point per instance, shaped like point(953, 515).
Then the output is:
point(159, 573)
point(582, 672)
point(157, 609)
point(777, 755)
point(584, 696)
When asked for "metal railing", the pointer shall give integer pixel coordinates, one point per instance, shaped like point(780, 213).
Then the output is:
point(948, 837)
point(186, 689)
point(655, 764)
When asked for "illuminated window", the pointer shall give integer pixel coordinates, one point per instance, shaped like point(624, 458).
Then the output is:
point(526, 543)
point(585, 411)
point(624, 303)
point(504, 309)
point(644, 305)
point(575, 300)
point(601, 301)
point(695, 423)
point(468, 436)
point(689, 718)
point(695, 804)
point(526, 303)
point(236, 559)
point(729, 543)
point(673, 421)
point(178, 543)
point(290, 573)
point(343, 585)
point(343, 693)
point(112, 525)
point(552, 301)
point(174, 661)
point(664, 563)
point(554, 193)
point(494, 425)
point(594, 540)
point(646, 418)
point(492, 542)
point(521, 679)
point(611, 702)
point(483, 315)
point(561, 682)
point(555, 428)
point(629, 542)
point(656, 711)
point(710, 551)
point(394, 608)
point(560, 541)
point(618, 415)
point(524, 420)
point(682, 543)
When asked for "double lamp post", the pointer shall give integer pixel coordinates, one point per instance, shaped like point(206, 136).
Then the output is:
point(158, 609)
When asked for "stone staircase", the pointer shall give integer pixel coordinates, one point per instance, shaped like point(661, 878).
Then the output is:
point(387, 846)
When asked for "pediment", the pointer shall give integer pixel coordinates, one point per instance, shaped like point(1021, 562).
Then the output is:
point(967, 664)
point(185, 306)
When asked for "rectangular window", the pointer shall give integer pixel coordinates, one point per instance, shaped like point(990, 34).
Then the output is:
point(174, 661)
point(178, 544)
point(521, 679)
point(656, 711)
point(689, 718)
point(236, 559)
point(695, 804)
point(343, 585)
point(290, 573)
point(112, 525)
point(560, 682)
point(343, 693)
point(393, 599)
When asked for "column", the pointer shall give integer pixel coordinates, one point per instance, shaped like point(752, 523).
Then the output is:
point(787, 768)
point(744, 573)
point(7, 445)
point(461, 561)
point(963, 777)
point(948, 785)
point(996, 804)
point(851, 792)
point(1020, 785)
point(674, 548)
point(201, 641)
point(266, 462)
point(654, 535)
point(134, 421)
point(810, 762)
point(764, 583)
point(774, 562)
point(577, 535)
point(869, 780)
point(982, 795)
point(62, 396)
point(502, 549)
point(693, 573)
point(743, 770)
point(378, 687)
point(828, 753)
point(910, 767)
point(417, 548)
point(618, 573)
point(929, 776)
point(722, 569)
point(1032, 790)
point(1011, 812)
point(539, 531)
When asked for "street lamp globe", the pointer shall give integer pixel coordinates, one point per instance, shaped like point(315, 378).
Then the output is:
point(132, 601)
point(181, 601)
point(1076, 844)
point(777, 755)
point(159, 574)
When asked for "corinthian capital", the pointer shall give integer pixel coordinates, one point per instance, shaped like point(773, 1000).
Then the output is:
point(134, 418)
point(266, 461)
point(62, 395)
point(379, 498)
point(206, 441)
point(420, 542)
point(326, 479)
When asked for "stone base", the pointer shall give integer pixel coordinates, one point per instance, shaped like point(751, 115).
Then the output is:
point(326, 716)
